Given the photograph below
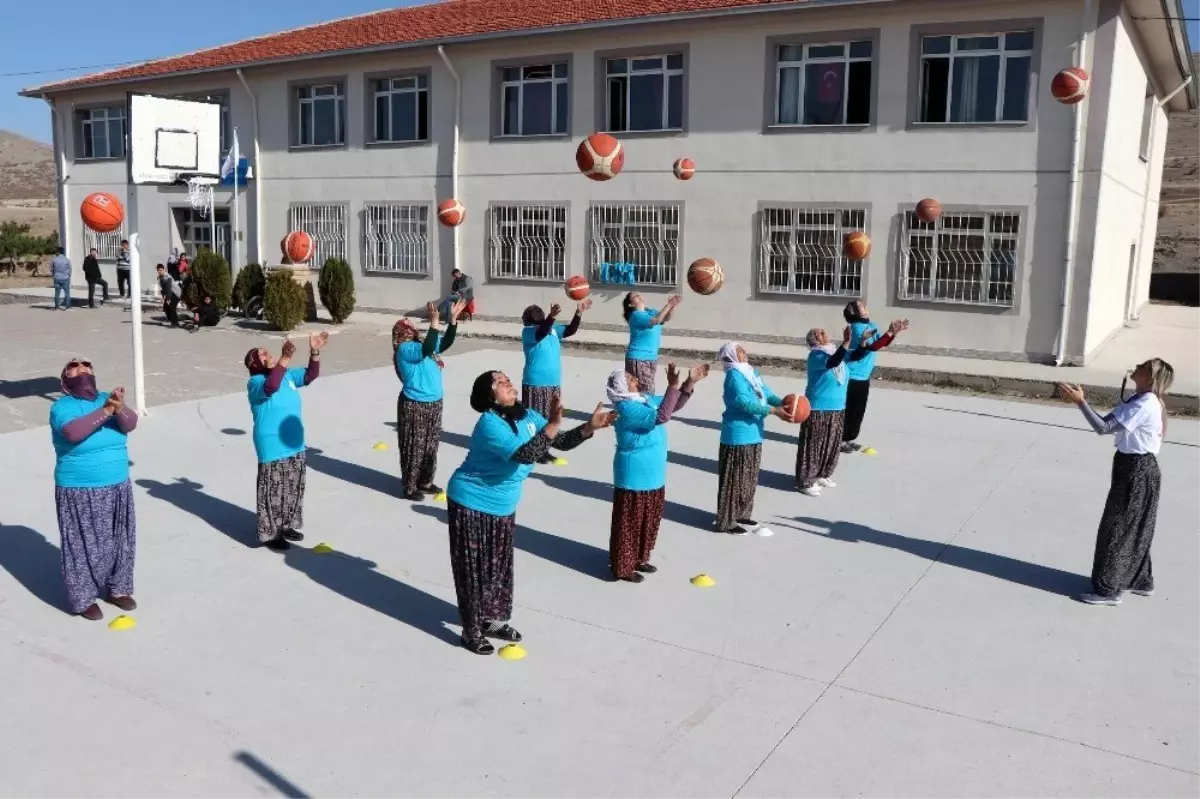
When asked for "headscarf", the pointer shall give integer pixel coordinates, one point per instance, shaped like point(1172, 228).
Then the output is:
point(81, 386)
point(729, 360)
point(399, 330)
point(533, 315)
point(814, 345)
point(852, 313)
point(618, 389)
point(483, 399)
point(254, 363)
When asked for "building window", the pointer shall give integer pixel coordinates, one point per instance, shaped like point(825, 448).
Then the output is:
point(644, 93)
point(196, 231)
point(320, 115)
point(396, 238)
point(976, 78)
point(968, 258)
point(645, 235)
point(108, 245)
point(823, 84)
point(1148, 106)
point(533, 100)
point(327, 226)
point(102, 132)
point(402, 108)
point(528, 242)
point(801, 252)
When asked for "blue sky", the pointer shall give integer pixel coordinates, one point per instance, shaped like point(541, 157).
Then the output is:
point(134, 30)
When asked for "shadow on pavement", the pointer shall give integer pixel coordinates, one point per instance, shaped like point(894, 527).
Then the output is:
point(672, 511)
point(34, 562)
point(709, 424)
point(269, 775)
point(236, 522)
point(364, 476)
point(48, 388)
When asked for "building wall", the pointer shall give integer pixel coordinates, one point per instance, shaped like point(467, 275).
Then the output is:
point(884, 168)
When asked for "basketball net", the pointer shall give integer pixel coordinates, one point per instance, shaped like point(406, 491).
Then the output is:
point(200, 194)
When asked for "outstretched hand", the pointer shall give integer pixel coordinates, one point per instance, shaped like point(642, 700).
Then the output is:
point(847, 334)
point(456, 310)
point(317, 341)
point(898, 326)
point(601, 418)
point(289, 348)
point(674, 300)
point(698, 372)
point(431, 310)
point(1071, 393)
point(116, 400)
point(555, 309)
point(673, 376)
point(583, 306)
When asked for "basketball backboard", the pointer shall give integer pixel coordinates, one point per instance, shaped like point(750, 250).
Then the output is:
point(170, 139)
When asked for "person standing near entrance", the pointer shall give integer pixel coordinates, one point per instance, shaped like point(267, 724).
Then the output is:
point(60, 270)
point(91, 273)
point(124, 286)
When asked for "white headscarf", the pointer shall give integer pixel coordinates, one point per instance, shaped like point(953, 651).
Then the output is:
point(839, 371)
point(618, 389)
point(729, 360)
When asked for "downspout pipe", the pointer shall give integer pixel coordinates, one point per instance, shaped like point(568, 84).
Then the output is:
point(1131, 311)
point(1073, 192)
point(60, 165)
point(260, 254)
point(454, 146)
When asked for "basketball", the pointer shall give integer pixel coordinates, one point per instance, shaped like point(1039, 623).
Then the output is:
point(684, 168)
point(796, 407)
point(856, 245)
point(451, 213)
point(577, 287)
point(102, 212)
point(297, 247)
point(600, 157)
point(1070, 85)
point(705, 276)
point(929, 210)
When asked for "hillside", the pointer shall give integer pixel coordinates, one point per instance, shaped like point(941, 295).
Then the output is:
point(26, 168)
point(1177, 248)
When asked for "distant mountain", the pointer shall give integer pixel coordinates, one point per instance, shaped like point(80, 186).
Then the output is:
point(1177, 248)
point(26, 168)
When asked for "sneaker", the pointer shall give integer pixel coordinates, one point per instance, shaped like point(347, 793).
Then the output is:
point(125, 603)
point(811, 491)
point(1142, 591)
point(414, 496)
point(432, 488)
point(747, 522)
point(647, 568)
point(1096, 599)
point(292, 535)
point(632, 578)
point(93, 613)
point(825, 482)
point(849, 447)
point(737, 529)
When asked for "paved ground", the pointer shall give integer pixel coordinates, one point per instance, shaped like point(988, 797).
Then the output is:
point(910, 633)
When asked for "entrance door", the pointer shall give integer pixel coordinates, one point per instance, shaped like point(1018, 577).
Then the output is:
point(196, 232)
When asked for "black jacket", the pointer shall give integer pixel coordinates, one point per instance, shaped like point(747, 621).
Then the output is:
point(91, 269)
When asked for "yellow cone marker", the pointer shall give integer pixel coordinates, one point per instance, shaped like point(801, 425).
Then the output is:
point(512, 652)
point(560, 461)
point(122, 623)
point(379, 447)
point(869, 451)
point(703, 581)
point(440, 497)
point(322, 548)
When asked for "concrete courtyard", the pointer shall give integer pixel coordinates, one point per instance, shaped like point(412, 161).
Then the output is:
point(910, 633)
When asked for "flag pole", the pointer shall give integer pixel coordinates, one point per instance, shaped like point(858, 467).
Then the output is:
point(237, 161)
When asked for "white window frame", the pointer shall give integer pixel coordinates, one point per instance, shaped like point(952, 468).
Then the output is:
point(1146, 133)
point(327, 223)
point(89, 117)
point(655, 258)
point(802, 66)
point(1002, 76)
point(514, 255)
point(555, 80)
point(936, 258)
point(814, 254)
point(396, 238)
point(420, 86)
point(663, 70)
point(107, 245)
point(338, 97)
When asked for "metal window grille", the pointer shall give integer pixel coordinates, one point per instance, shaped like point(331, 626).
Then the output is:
point(327, 226)
point(965, 258)
point(645, 235)
point(108, 245)
point(396, 238)
point(801, 251)
point(528, 242)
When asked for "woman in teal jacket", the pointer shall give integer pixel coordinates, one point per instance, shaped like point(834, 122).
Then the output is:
point(821, 434)
point(748, 402)
point(640, 466)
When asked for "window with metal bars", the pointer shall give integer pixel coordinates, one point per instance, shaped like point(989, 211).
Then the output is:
point(326, 223)
point(801, 251)
point(108, 245)
point(645, 235)
point(396, 238)
point(528, 242)
point(968, 258)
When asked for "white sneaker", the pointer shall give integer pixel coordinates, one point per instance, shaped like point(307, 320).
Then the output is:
point(825, 482)
point(1096, 599)
point(811, 491)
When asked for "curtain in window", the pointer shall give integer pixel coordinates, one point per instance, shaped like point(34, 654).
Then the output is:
point(789, 96)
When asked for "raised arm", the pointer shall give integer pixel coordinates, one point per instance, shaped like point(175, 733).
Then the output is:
point(547, 324)
point(127, 419)
point(448, 337)
point(1103, 425)
point(81, 427)
point(671, 402)
point(429, 346)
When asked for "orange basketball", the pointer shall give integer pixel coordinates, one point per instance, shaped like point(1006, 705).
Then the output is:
point(102, 212)
point(796, 407)
point(600, 157)
point(929, 210)
point(856, 245)
point(1070, 85)
point(577, 287)
point(684, 168)
point(297, 247)
point(705, 276)
point(451, 213)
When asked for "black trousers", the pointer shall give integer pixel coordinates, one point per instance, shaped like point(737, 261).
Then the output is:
point(171, 308)
point(103, 284)
point(857, 392)
point(122, 282)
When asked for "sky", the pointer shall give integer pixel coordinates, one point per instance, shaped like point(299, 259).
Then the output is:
point(144, 29)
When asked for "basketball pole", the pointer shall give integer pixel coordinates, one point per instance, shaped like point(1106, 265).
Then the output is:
point(135, 305)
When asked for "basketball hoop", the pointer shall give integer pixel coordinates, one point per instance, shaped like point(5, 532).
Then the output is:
point(200, 194)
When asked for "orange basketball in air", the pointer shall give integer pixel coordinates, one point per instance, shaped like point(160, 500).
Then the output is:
point(102, 212)
point(705, 276)
point(577, 287)
point(929, 210)
point(1070, 85)
point(451, 213)
point(600, 157)
point(297, 247)
point(856, 245)
point(684, 168)
point(796, 407)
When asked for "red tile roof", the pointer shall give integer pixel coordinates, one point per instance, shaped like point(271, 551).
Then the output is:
point(437, 21)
